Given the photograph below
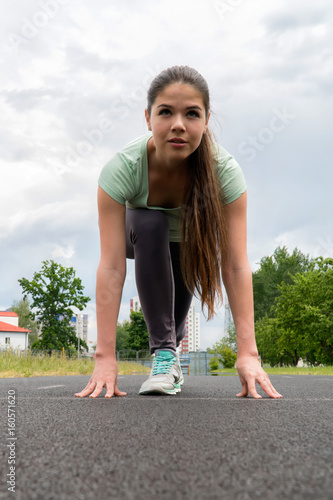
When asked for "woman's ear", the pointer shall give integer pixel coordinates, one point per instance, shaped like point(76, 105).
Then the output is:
point(147, 119)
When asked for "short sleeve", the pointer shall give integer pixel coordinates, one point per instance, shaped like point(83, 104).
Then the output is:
point(230, 174)
point(116, 178)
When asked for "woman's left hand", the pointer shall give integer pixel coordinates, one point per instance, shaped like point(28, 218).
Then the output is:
point(250, 373)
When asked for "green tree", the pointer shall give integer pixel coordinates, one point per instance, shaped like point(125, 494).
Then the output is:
point(22, 309)
point(266, 340)
point(122, 335)
point(228, 356)
point(305, 310)
point(214, 364)
point(274, 270)
point(229, 340)
point(54, 291)
point(275, 345)
point(138, 337)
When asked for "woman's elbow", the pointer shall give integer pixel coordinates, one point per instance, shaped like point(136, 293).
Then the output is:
point(232, 270)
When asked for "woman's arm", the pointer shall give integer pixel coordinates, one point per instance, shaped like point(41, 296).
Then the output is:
point(111, 275)
point(237, 279)
point(111, 272)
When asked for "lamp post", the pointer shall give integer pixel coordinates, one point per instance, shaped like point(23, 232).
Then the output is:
point(78, 337)
point(78, 346)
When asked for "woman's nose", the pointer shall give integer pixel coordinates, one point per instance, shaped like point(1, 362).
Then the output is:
point(178, 123)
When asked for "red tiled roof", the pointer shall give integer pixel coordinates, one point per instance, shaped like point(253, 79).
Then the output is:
point(6, 327)
point(8, 313)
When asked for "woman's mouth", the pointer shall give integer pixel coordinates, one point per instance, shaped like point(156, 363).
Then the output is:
point(177, 142)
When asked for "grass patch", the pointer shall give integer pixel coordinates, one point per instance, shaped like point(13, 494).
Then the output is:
point(28, 365)
point(292, 370)
point(288, 370)
point(224, 371)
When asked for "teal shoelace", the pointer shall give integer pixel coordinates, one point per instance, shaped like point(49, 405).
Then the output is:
point(162, 365)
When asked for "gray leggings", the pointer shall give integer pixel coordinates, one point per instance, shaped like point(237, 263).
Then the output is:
point(164, 298)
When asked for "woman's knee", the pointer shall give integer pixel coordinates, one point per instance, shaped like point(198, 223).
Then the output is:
point(147, 222)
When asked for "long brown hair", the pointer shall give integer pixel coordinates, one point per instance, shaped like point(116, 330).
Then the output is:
point(203, 218)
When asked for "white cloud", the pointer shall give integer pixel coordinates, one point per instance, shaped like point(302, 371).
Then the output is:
point(65, 252)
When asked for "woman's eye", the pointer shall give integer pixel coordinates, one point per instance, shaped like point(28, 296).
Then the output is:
point(191, 113)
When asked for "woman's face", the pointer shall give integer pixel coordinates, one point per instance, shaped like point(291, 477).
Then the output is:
point(177, 121)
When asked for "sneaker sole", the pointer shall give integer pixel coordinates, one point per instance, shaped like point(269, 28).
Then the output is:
point(161, 390)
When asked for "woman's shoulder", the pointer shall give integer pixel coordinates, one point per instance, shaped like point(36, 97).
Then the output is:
point(134, 151)
point(121, 177)
point(221, 156)
point(229, 173)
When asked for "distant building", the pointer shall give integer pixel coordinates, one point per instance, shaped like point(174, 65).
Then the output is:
point(191, 341)
point(11, 335)
point(135, 304)
point(80, 322)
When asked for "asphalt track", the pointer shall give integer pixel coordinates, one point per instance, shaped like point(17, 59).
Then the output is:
point(203, 444)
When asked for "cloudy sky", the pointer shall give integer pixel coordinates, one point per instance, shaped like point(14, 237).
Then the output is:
point(67, 66)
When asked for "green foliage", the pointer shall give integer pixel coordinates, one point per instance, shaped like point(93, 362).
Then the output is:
point(213, 364)
point(305, 310)
point(138, 337)
point(229, 358)
point(293, 297)
point(58, 334)
point(302, 326)
point(54, 291)
point(270, 343)
point(274, 270)
point(22, 309)
point(223, 348)
point(122, 335)
point(229, 340)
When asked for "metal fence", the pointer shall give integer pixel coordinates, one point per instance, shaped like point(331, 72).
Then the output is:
point(193, 363)
point(142, 357)
point(42, 353)
point(199, 362)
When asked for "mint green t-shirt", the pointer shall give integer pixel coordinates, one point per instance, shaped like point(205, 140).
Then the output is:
point(125, 179)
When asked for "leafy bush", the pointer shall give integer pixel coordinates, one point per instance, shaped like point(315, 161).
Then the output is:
point(229, 358)
point(213, 364)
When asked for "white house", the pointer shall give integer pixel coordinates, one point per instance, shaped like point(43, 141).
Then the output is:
point(11, 335)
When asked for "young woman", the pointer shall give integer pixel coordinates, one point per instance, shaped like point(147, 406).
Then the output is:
point(174, 201)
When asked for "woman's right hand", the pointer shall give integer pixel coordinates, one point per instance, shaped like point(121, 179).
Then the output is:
point(104, 375)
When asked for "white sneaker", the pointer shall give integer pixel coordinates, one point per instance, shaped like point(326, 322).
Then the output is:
point(166, 375)
point(180, 369)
